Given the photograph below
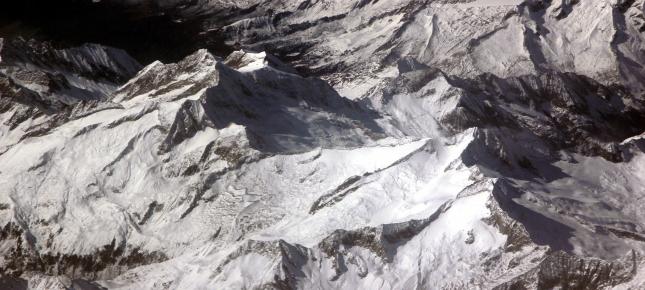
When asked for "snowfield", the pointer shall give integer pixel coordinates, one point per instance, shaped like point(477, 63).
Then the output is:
point(402, 144)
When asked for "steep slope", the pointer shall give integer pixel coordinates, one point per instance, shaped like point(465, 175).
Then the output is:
point(42, 87)
point(486, 144)
point(353, 45)
point(164, 154)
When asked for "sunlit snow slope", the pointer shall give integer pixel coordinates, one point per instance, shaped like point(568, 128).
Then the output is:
point(483, 144)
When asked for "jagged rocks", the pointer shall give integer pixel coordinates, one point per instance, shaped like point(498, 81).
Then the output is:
point(489, 144)
point(566, 271)
point(24, 257)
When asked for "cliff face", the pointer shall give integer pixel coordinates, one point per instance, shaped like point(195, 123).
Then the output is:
point(482, 144)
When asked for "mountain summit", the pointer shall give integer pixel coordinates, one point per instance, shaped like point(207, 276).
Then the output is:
point(328, 144)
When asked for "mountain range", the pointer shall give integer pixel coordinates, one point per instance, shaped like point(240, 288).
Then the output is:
point(328, 144)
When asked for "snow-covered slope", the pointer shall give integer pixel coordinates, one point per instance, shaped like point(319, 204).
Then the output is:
point(42, 87)
point(354, 44)
point(486, 144)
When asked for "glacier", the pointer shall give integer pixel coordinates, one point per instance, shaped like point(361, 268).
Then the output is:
point(403, 144)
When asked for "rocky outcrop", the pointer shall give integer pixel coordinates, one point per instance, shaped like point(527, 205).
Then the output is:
point(400, 145)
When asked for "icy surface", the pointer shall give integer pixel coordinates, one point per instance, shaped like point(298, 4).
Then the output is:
point(401, 144)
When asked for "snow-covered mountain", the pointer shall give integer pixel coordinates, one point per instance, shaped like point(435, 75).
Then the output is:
point(403, 144)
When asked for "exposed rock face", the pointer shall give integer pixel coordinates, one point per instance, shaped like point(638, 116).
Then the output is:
point(483, 144)
point(597, 39)
point(63, 77)
point(42, 87)
point(560, 270)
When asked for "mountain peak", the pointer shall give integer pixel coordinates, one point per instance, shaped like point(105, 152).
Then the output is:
point(404, 144)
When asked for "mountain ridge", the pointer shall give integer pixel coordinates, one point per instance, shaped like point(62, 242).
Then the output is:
point(399, 145)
